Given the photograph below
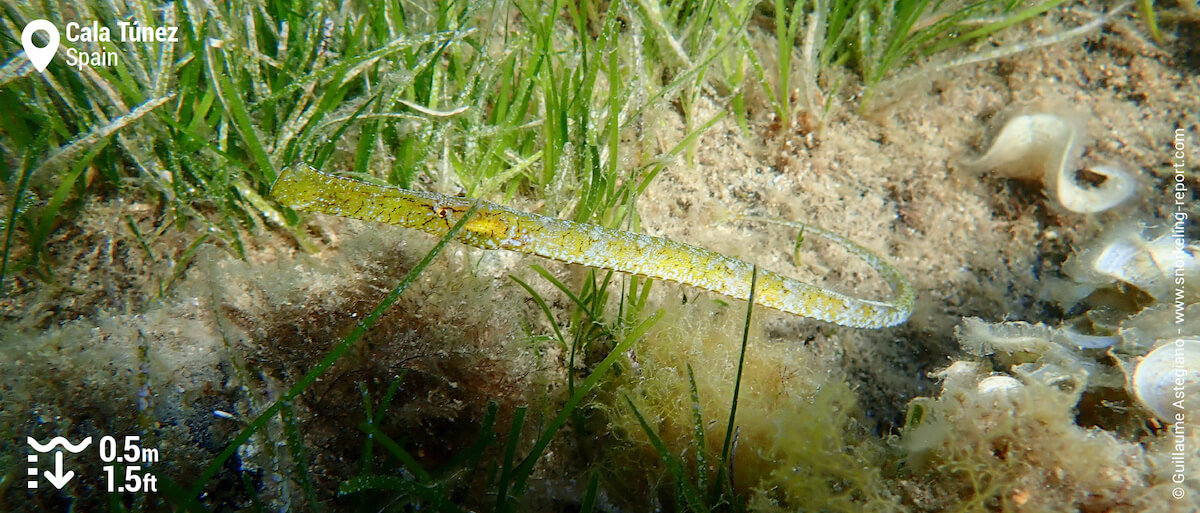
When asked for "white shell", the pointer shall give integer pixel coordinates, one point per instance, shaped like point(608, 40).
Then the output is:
point(998, 385)
point(1047, 146)
point(1145, 261)
point(1167, 381)
point(961, 374)
point(1119, 185)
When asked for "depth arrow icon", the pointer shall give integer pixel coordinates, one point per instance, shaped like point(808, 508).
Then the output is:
point(58, 478)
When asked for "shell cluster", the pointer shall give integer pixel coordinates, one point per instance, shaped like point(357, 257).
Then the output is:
point(1166, 381)
point(1150, 267)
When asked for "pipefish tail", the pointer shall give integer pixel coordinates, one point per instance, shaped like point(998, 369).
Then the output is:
point(495, 227)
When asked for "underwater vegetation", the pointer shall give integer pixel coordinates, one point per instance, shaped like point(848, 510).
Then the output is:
point(167, 271)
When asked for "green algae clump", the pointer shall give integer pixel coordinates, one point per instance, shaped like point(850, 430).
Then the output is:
point(798, 442)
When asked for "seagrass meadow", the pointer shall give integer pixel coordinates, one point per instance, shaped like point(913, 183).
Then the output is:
point(631, 255)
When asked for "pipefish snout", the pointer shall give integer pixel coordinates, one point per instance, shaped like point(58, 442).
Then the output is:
point(496, 227)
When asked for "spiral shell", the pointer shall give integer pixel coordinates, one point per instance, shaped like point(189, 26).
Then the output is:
point(1048, 146)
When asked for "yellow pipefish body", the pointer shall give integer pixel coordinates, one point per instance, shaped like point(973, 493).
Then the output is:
point(496, 227)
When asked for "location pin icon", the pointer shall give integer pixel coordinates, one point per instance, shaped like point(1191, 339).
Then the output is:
point(40, 57)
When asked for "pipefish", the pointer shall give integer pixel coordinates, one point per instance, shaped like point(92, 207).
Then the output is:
point(302, 187)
